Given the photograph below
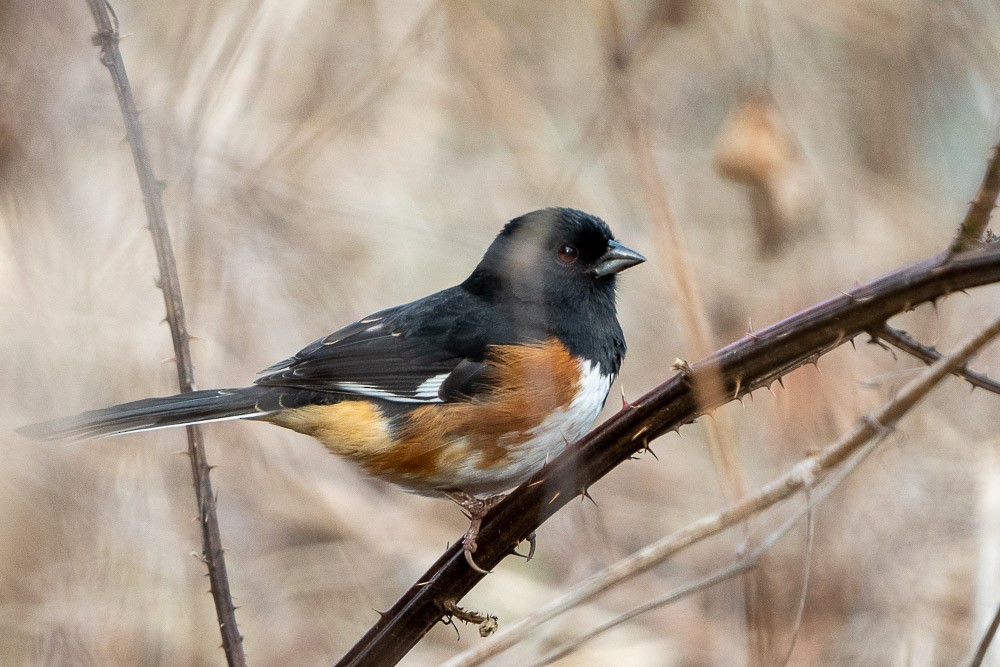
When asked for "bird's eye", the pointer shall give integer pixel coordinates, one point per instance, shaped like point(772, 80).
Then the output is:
point(567, 254)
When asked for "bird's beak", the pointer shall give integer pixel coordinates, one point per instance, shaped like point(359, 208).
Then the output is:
point(616, 258)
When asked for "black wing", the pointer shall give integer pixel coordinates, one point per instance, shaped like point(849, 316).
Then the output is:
point(430, 350)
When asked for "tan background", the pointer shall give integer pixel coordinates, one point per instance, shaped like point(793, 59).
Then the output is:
point(323, 160)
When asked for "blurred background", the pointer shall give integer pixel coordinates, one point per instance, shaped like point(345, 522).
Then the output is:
point(326, 159)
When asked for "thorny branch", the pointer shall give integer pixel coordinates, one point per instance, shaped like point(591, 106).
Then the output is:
point(973, 227)
point(806, 473)
point(905, 342)
point(107, 37)
point(750, 363)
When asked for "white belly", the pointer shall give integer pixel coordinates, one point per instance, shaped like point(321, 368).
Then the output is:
point(560, 430)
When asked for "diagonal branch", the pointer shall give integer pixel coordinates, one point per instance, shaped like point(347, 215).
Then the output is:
point(750, 363)
point(107, 37)
point(872, 427)
point(977, 219)
point(905, 342)
point(987, 639)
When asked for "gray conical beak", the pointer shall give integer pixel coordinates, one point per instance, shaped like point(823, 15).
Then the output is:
point(617, 258)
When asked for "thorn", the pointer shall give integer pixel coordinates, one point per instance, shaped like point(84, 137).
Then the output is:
point(566, 443)
point(536, 483)
point(585, 494)
point(648, 449)
point(168, 360)
point(749, 326)
point(381, 614)
point(554, 498)
point(625, 404)
point(781, 381)
point(739, 385)
point(854, 345)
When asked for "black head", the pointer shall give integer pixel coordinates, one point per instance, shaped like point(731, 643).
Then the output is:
point(544, 253)
point(553, 273)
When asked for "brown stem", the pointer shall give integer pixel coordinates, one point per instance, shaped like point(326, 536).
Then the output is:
point(978, 217)
point(987, 639)
point(107, 38)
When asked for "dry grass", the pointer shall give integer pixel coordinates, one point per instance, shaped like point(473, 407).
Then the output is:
point(324, 160)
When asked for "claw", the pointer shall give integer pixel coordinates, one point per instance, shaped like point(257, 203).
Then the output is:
point(468, 559)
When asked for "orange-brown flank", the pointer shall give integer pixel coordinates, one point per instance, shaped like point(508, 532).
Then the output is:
point(436, 446)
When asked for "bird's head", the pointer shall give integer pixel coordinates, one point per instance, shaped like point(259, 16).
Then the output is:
point(553, 254)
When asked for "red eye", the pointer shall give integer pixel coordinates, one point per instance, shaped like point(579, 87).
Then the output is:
point(567, 254)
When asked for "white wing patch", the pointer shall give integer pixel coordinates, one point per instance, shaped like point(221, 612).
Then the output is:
point(427, 392)
point(430, 387)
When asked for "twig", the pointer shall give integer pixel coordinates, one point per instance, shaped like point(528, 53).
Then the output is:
point(977, 219)
point(747, 562)
point(804, 474)
point(107, 37)
point(905, 342)
point(750, 363)
point(984, 643)
point(807, 567)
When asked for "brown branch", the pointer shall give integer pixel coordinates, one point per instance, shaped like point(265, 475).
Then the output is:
point(984, 643)
point(107, 37)
point(971, 231)
point(750, 363)
point(905, 342)
point(802, 476)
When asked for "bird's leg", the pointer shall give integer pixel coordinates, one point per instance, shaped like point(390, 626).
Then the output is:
point(475, 508)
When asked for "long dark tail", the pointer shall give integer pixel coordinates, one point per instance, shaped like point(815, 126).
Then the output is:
point(196, 407)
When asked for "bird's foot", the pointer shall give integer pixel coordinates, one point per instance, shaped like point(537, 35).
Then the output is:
point(475, 508)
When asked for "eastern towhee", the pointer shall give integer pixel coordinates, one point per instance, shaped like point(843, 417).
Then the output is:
point(466, 392)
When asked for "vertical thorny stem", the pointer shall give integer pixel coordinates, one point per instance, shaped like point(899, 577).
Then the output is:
point(107, 38)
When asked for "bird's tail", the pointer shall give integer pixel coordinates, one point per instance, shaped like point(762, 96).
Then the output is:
point(196, 407)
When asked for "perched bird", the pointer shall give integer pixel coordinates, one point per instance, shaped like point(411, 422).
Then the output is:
point(465, 393)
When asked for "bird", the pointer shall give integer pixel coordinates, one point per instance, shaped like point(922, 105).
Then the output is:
point(465, 393)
